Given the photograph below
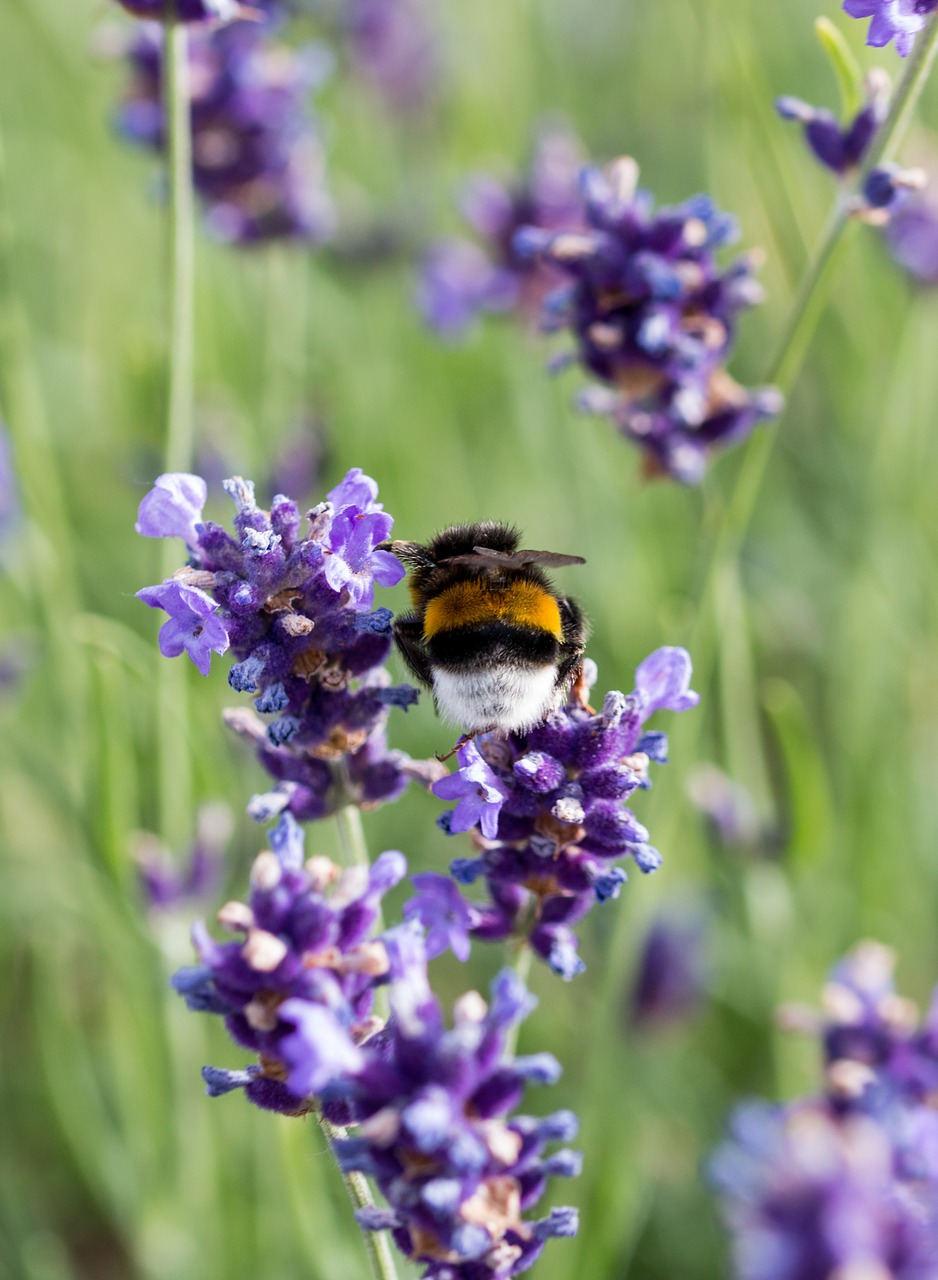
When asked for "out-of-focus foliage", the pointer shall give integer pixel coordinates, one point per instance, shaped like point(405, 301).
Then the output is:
point(816, 659)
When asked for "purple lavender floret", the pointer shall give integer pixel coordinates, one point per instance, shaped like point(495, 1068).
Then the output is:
point(892, 20)
point(257, 157)
point(846, 1179)
point(654, 318)
point(460, 279)
point(671, 980)
point(169, 882)
point(292, 601)
point(436, 1132)
point(912, 235)
point(838, 147)
point(185, 10)
point(296, 987)
point(549, 813)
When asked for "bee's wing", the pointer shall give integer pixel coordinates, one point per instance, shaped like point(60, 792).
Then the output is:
point(553, 559)
point(481, 556)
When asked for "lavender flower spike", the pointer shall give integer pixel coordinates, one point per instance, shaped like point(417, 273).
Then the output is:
point(841, 148)
point(653, 317)
point(899, 21)
point(548, 810)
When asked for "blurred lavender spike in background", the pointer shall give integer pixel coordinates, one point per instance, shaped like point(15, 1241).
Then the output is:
point(654, 317)
point(394, 45)
point(672, 977)
point(258, 160)
point(841, 147)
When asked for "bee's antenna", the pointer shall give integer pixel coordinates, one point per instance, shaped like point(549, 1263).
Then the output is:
point(409, 552)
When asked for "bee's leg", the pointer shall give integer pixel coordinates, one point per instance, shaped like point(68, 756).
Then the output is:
point(460, 742)
point(408, 635)
point(570, 670)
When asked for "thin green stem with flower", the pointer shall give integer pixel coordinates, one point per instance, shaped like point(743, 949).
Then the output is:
point(172, 710)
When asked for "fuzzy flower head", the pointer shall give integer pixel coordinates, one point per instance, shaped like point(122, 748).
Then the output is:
point(295, 987)
point(898, 21)
point(292, 601)
point(653, 316)
point(258, 162)
point(808, 1195)
point(437, 1131)
point(548, 810)
point(461, 278)
point(841, 147)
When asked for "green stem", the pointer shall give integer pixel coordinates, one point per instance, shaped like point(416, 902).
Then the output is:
point(814, 289)
point(376, 1242)
point(172, 695)
point(520, 954)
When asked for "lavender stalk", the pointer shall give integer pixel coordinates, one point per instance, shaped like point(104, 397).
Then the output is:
point(174, 773)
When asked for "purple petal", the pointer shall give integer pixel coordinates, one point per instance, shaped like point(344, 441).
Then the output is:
point(173, 507)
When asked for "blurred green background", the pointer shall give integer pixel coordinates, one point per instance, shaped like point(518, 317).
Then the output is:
point(816, 653)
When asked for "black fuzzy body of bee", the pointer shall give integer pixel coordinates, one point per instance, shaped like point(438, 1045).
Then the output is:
point(488, 635)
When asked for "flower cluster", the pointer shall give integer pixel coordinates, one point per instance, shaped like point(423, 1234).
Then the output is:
point(892, 20)
point(258, 162)
point(294, 608)
point(296, 987)
point(841, 147)
point(459, 279)
point(436, 1133)
point(432, 1106)
point(654, 318)
point(849, 1178)
point(547, 811)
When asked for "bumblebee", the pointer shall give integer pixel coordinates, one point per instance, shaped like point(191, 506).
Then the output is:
point(489, 636)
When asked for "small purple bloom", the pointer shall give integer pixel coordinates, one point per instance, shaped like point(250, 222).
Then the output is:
point(173, 508)
point(184, 10)
point(663, 681)
point(318, 1050)
point(394, 46)
point(841, 148)
point(479, 793)
point(353, 564)
point(443, 912)
point(671, 981)
point(912, 235)
point(193, 626)
point(457, 282)
point(892, 20)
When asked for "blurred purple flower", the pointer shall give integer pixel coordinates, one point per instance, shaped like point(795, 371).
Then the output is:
point(653, 317)
point(671, 981)
point(257, 159)
point(459, 279)
point(184, 10)
point(193, 627)
point(443, 913)
point(912, 236)
point(846, 1179)
point(9, 486)
point(169, 882)
point(896, 20)
point(727, 804)
point(838, 147)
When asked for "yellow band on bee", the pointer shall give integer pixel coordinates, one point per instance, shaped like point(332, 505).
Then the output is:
point(466, 604)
